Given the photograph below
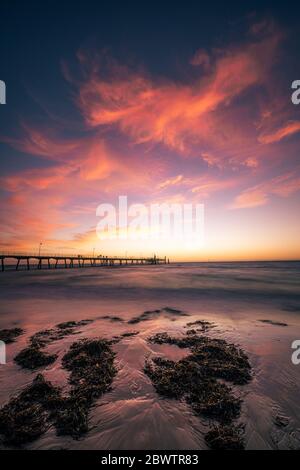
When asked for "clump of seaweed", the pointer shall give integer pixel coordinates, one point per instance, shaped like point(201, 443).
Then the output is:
point(223, 360)
point(275, 323)
point(127, 334)
point(91, 363)
point(225, 438)
point(25, 418)
point(33, 356)
point(60, 331)
point(188, 341)
point(112, 318)
point(149, 314)
point(44, 337)
point(203, 325)
point(10, 335)
point(71, 417)
point(117, 338)
point(186, 379)
point(191, 332)
point(174, 311)
point(73, 324)
point(217, 357)
point(196, 380)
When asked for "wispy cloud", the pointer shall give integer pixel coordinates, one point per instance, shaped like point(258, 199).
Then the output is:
point(286, 130)
point(188, 116)
point(259, 195)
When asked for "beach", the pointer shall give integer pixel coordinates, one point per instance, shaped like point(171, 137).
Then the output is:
point(255, 306)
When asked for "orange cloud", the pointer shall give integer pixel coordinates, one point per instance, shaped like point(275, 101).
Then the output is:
point(285, 131)
point(180, 116)
point(208, 186)
point(171, 182)
point(252, 197)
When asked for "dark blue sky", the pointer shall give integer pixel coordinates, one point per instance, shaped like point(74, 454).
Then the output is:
point(35, 37)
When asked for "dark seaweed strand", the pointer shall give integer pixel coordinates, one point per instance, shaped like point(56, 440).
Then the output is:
point(28, 416)
point(33, 356)
point(10, 335)
point(195, 379)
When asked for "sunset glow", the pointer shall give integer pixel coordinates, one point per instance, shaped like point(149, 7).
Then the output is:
point(222, 132)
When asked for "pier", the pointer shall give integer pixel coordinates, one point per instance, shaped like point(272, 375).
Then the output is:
point(46, 261)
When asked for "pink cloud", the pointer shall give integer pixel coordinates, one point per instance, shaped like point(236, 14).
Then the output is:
point(171, 182)
point(181, 116)
point(259, 195)
point(286, 130)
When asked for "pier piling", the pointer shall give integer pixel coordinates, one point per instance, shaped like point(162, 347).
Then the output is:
point(16, 261)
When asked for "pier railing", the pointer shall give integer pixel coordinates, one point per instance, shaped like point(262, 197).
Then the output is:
point(29, 261)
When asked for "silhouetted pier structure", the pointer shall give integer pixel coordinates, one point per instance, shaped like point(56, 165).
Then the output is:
point(31, 261)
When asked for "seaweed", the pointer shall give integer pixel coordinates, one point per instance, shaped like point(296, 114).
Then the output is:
point(60, 331)
point(275, 323)
point(112, 318)
point(135, 320)
point(10, 335)
point(129, 333)
point(73, 324)
point(186, 379)
point(203, 325)
point(227, 437)
point(117, 338)
point(91, 366)
point(216, 357)
point(71, 417)
point(191, 332)
point(91, 363)
point(188, 341)
point(25, 418)
point(149, 314)
point(28, 416)
point(195, 379)
point(33, 357)
point(44, 337)
point(174, 311)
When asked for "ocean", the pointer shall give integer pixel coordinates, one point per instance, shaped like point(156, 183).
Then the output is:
point(255, 305)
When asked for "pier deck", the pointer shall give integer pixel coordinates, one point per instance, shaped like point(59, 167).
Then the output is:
point(32, 261)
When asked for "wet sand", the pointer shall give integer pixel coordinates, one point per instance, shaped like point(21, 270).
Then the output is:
point(236, 297)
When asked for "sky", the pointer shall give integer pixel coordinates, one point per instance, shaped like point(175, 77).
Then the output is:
point(185, 103)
